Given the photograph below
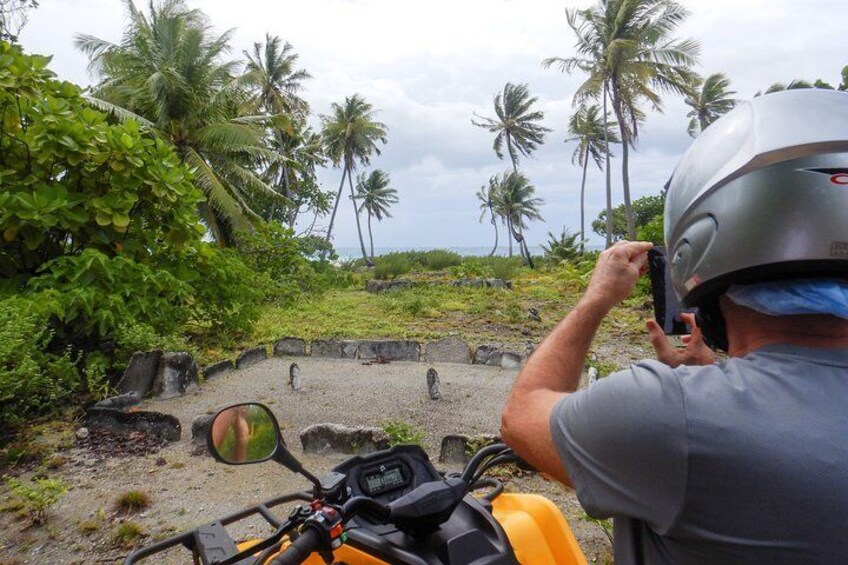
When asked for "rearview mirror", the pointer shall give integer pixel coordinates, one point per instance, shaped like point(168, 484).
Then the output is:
point(244, 433)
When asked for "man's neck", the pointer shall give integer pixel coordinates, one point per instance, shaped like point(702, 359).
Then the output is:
point(748, 330)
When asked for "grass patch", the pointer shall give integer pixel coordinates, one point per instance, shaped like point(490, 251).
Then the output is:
point(127, 534)
point(132, 501)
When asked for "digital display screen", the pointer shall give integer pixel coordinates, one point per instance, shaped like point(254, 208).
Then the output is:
point(384, 479)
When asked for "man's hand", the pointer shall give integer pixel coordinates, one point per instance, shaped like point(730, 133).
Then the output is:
point(617, 271)
point(695, 351)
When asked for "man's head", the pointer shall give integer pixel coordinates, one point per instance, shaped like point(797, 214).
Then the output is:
point(762, 195)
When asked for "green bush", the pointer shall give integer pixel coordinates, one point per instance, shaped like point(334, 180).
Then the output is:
point(402, 433)
point(506, 268)
point(565, 247)
point(392, 265)
point(33, 378)
point(435, 259)
point(273, 251)
point(652, 231)
point(471, 270)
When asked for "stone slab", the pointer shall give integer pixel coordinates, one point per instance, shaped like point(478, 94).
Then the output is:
point(390, 350)
point(335, 438)
point(447, 350)
point(177, 374)
point(217, 369)
point(290, 347)
point(157, 424)
point(251, 356)
point(140, 373)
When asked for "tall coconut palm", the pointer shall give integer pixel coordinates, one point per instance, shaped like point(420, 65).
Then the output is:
point(376, 196)
point(168, 74)
point(273, 79)
point(516, 203)
point(709, 99)
point(274, 84)
point(488, 197)
point(627, 48)
point(350, 137)
point(516, 124)
point(301, 150)
point(593, 134)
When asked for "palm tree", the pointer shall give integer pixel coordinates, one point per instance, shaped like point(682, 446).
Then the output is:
point(376, 196)
point(350, 136)
point(167, 74)
point(516, 123)
point(710, 99)
point(516, 202)
point(488, 197)
point(273, 83)
point(592, 135)
point(302, 151)
point(273, 79)
point(627, 49)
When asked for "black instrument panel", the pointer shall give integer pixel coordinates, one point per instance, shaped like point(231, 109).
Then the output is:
point(388, 475)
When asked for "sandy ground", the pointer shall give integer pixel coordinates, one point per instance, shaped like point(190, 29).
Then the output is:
point(188, 489)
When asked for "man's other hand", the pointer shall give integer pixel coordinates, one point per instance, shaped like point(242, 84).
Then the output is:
point(617, 271)
point(694, 352)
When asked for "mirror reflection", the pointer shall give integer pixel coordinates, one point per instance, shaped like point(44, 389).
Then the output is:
point(245, 433)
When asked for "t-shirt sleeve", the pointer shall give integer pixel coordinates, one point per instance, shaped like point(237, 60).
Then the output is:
point(623, 442)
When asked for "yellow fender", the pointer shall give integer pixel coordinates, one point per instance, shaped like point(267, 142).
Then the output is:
point(537, 530)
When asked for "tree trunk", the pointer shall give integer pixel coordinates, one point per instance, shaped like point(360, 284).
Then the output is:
point(370, 235)
point(336, 205)
point(526, 249)
point(494, 225)
point(583, 205)
point(368, 261)
point(625, 177)
point(511, 153)
point(607, 170)
point(509, 234)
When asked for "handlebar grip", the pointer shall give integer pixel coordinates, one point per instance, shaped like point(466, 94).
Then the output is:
point(300, 549)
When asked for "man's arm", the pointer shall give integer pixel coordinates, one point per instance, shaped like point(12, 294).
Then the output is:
point(553, 371)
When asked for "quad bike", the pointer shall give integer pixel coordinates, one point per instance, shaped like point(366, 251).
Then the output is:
point(390, 506)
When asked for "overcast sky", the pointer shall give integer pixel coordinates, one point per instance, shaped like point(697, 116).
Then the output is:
point(429, 66)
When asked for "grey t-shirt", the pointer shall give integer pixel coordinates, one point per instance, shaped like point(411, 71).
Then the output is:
point(741, 462)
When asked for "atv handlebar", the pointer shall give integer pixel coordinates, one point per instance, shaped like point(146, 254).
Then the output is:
point(300, 549)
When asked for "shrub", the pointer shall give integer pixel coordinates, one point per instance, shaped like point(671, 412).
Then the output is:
point(392, 265)
point(565, 247)
point(273, 251)
point(33, 378)
point(653, 231)
point(471, 270)
point(506, 268)
point(36, 497)
point(401, 433)
point(436, 259)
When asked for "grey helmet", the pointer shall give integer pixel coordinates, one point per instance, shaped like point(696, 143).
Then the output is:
point(762, 194)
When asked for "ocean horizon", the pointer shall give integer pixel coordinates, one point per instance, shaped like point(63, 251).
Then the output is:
point(346, 253)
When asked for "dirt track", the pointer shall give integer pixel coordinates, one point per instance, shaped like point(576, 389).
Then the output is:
point(189, 489)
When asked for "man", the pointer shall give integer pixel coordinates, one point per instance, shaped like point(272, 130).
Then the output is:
point(745, 461)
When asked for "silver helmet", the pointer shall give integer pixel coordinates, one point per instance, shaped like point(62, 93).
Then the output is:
point(762, 194)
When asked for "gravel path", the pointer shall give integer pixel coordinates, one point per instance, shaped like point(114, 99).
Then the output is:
point(189, 489)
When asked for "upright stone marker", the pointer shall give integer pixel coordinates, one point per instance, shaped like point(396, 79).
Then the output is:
point(140, 373)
